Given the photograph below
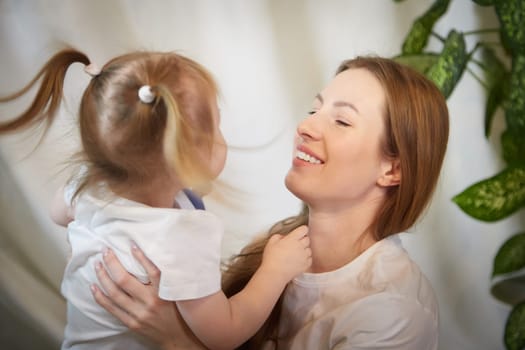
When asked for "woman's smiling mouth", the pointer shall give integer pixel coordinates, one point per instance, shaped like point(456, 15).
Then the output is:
point(307, 157)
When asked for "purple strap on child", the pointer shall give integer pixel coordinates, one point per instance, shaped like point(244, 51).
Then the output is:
point(194, 199)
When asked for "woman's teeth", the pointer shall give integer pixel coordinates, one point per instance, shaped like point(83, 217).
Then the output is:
point(307, 158)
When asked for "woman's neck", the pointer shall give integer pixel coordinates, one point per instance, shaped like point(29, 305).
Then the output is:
point(338, 237)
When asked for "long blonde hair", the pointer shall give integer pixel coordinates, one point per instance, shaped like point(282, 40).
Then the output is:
point(416, 133)
point(125, 141)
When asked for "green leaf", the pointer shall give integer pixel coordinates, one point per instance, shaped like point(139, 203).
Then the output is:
point(495, 99)
point(484, 2)
point(513, 145)
point(492, 65)
point(420, 62)
point(510, 256)
point(494, 198)
point(515, 328)
point(496, 78)
point(511, 14)
point(417, 37)
point(449, 67)
point(515, 99)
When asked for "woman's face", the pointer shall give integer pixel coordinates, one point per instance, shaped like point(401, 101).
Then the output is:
point(337, 158)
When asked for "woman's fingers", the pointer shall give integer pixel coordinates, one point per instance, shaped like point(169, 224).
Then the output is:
point(152, 270)
point(111, 307)
point(137, 305)
point(124, 280)
point(115, 300)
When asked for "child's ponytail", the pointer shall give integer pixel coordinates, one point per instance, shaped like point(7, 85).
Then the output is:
point(179, 137)
point(49, 95)
point(173, 128)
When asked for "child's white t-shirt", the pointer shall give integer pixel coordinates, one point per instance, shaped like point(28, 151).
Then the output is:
point(185, 244)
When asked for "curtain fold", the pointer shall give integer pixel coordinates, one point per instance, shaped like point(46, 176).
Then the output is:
point(31, 307)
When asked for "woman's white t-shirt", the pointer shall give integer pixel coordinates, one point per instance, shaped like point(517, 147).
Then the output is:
point(380, 300)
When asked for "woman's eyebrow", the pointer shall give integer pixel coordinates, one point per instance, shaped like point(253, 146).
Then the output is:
point(346, 104)
point(338, 103)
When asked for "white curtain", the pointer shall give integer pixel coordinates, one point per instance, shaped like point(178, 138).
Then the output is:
point(269, 58)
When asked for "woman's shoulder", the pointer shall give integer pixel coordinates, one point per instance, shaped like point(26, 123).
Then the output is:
point(397, 301)
point(392, 273)
point(388, 319)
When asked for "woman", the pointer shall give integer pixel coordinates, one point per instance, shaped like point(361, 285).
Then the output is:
point(366, 163)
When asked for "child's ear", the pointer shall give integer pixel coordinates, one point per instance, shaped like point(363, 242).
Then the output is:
point(391, 173)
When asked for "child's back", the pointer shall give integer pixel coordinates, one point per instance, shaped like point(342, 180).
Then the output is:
point(173, 237)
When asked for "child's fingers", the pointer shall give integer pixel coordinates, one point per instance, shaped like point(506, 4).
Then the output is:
point(309, 253)
point(274, 239)
point(305, 240)
point(299, 232)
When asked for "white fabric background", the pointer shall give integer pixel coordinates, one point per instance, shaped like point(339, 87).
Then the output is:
point(269, 58)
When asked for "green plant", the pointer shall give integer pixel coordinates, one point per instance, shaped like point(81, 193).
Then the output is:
point(503, 68)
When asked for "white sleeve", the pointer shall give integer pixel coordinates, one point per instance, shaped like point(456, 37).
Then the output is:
point(189, 256)
point(386, 321)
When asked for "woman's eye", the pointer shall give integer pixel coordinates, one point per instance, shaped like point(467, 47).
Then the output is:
point(312, 112)
point(342, 122)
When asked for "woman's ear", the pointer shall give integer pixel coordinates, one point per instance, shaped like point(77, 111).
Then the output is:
point(391, 173)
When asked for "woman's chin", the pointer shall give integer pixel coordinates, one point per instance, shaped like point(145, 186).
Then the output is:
point(294, 187)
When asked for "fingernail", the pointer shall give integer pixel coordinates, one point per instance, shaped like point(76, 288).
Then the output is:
point(105, 252)
point(93, 288)
point(98, 265)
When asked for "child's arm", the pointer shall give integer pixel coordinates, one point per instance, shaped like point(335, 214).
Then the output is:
point(61, 213)
point(222, 323)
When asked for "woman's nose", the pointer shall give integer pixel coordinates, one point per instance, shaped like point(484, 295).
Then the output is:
point(309, 128)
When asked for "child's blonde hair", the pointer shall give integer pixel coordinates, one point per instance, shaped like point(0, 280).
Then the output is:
point(124, 140)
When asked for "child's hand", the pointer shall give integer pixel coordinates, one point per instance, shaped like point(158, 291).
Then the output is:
point(288, 256)
point(61, 212)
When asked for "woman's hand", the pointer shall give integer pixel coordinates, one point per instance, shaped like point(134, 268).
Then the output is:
point(138, 306)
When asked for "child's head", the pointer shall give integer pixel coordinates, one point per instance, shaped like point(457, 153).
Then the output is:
point(131, 140)
point(128, 140)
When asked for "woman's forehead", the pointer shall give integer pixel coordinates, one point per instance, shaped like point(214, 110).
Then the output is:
point(357, 86)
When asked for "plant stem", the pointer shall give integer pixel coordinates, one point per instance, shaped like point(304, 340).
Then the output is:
point(471, 59)
point(471, 53)
point(481, 31)
point(477, 78)
point(438, 36)
point(490, 43)
point(479, 63)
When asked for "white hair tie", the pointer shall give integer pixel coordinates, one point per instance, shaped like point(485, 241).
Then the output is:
point(92, 69)
point(146, 95)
